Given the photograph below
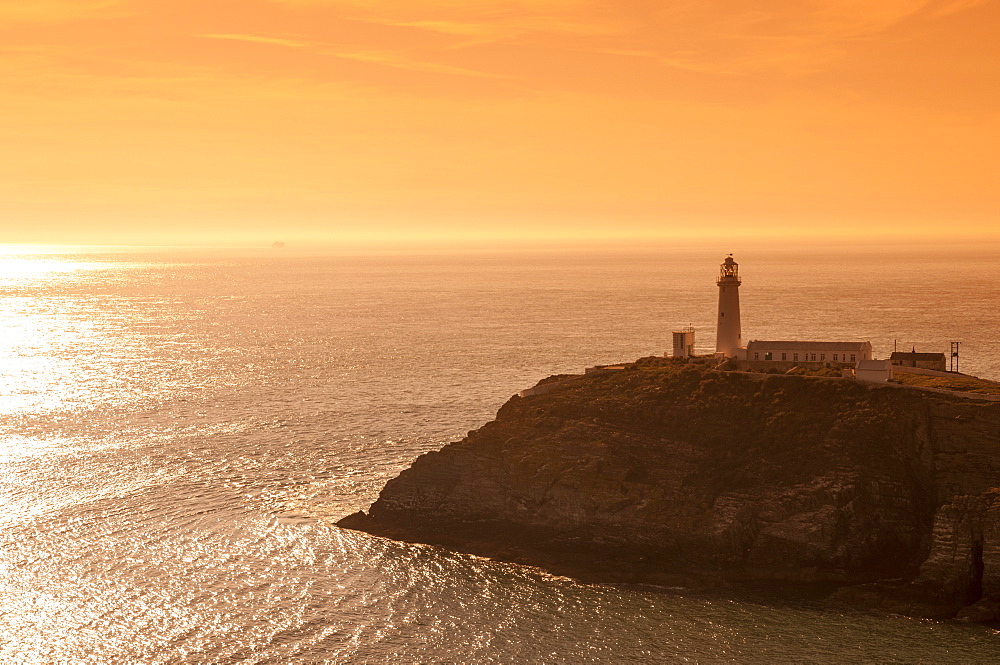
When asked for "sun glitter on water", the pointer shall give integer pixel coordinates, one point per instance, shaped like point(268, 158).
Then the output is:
point(37, 368)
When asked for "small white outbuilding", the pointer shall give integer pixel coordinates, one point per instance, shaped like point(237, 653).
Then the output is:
point(873, 371)
point(683, 343)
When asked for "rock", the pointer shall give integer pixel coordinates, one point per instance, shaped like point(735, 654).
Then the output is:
point(983, 611)
point(961, 574)
point(671, 471)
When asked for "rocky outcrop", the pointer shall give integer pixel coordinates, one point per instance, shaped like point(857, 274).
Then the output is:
point(961, 575)
point(675, 473)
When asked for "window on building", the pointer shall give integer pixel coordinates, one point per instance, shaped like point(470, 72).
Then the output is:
point(784, 356)
point(768, 356)
point(854, 357)
point(813, 357)
point(822, 356)
point(795, 357)
point(756, 356)
point(835, 357)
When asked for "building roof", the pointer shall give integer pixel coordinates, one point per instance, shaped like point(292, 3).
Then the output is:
point(900, 355)
point(767, 345)
point(874, 365)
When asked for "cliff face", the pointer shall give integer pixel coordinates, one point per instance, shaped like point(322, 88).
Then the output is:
point(667, 472)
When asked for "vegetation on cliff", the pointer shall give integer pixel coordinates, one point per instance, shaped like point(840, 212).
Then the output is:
point(673, 472)
point(960, 383)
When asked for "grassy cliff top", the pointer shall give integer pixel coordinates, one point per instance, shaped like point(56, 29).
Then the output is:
point(958, 383)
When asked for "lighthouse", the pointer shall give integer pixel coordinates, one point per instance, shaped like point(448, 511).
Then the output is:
point(728, 336)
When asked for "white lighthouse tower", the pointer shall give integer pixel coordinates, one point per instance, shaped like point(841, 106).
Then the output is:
point(728, 335)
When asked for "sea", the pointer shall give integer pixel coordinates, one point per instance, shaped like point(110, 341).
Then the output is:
point(180, 429)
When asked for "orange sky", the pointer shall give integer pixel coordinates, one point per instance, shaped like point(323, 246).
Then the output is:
point(343, 121)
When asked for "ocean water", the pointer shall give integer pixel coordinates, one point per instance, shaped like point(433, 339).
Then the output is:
point(179, 431)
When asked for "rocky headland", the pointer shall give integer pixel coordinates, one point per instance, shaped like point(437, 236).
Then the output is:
point(675, 473)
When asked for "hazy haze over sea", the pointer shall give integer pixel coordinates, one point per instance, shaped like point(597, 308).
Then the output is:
point(180, 429)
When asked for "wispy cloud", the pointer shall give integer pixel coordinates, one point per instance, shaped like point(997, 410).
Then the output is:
point(381, 57)
point(483, 21)
point(423, 6)
point(514, 26)
point(260, 39)
point(53, 10)
point(707, 36)
point(945, 7)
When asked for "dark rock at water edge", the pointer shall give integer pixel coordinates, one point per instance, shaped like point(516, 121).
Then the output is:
point(673, 473)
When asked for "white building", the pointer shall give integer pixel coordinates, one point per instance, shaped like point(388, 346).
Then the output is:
point(683, 343)
point(873, 371)
point(935, 361)
point(844, 353)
